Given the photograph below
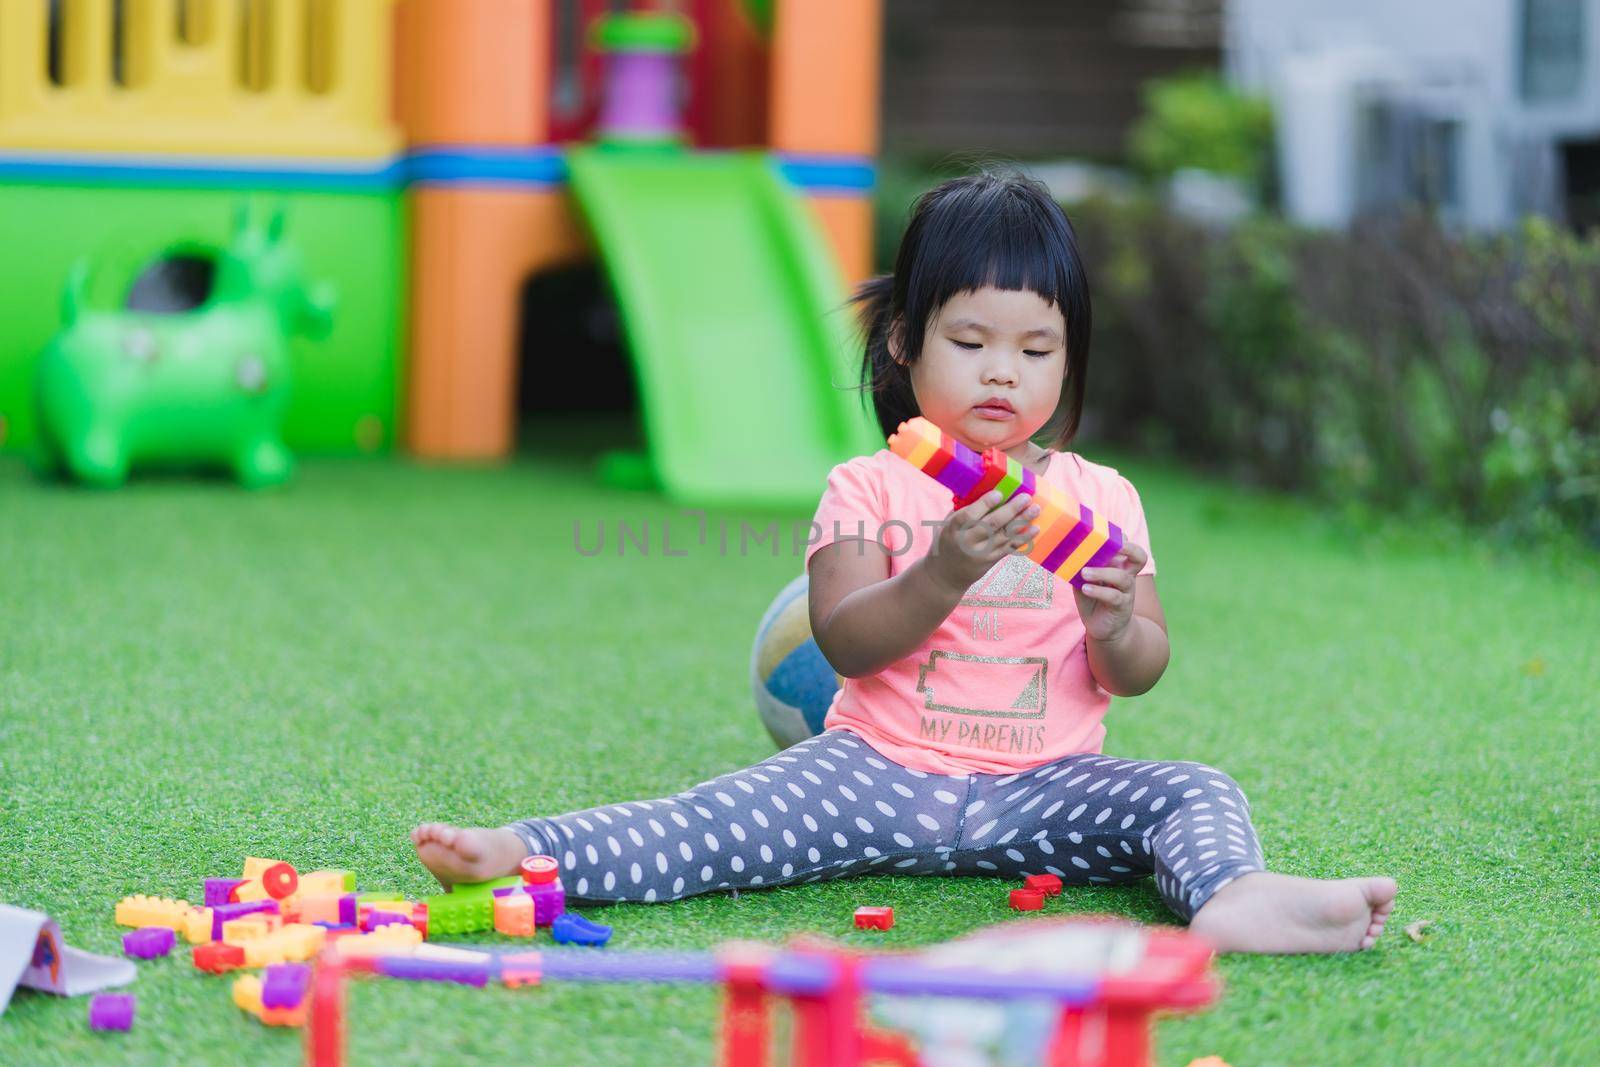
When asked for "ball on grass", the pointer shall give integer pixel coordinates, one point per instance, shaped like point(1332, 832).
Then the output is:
point(793, 684)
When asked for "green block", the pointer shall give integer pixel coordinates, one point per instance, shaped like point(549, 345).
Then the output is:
point(345, 398)
point(467, 909)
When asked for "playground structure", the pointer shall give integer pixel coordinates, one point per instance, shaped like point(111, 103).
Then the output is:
point(1100, 981)
point(435, 155)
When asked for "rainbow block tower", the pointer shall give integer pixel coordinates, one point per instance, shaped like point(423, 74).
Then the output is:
point(1071, 536)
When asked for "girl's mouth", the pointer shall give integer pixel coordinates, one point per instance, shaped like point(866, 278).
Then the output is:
point(989, 411)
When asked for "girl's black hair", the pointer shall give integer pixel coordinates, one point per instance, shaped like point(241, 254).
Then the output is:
point(993, 228)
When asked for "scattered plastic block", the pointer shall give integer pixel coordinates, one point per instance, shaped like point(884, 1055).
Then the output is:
point(297, 942)
point(228, 912)
point(419, 919)
point(142, 911)
point(513, 914)
point(148, 942)
point(384, 941)
point(280, 880)
point(249, 890)
point(450, 913)
point(255, 867)
point(322, 908)
point(473, 973)
point(518, 969)
point(875, 918)
point(220, 890)
point(1048, 884)
point(327, 883)
point(284, 985)
point(376, 919)
point(248, 928)
point(197, 926)
point(247, 994)
point(451, 954)
point(541, 877)
point(111, 1011)
point(570, 928)
point(1027, 899)
point(218, 957)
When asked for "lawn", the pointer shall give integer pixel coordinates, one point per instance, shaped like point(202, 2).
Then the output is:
point(190, 674)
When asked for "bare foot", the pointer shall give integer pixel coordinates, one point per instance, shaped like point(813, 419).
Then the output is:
point(1266, 912)
point(462, 854)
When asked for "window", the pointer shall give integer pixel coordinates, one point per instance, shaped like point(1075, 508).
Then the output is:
point(1552, 50)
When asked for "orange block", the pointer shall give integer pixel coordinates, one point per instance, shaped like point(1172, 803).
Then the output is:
point(513, 914)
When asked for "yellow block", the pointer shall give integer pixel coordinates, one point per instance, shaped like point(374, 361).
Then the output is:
point(250, 890)
point(247, 928)
point(1088, 547)
point(142, 911)
point(255, 867)
point(323, 884)
point(294, 943)
point(313, 79)
point(197, 926)
point(247, 993)
point(396, 939)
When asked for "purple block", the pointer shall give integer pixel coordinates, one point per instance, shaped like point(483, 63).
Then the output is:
point(217, 890)
point(474, 973)
point(228, 912)
point(348, 911)
point(111, 1011)
point(549, 901)
point(1069, 544)
point(1106, 553)
point(148, 943)
point(961, 473)
point(284, 985)
point(386, 918)
point(503, 890)
point(574, 929)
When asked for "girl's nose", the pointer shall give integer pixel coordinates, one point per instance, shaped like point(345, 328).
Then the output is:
point(1000, 372)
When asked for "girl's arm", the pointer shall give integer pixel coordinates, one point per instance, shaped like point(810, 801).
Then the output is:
point(862, 619)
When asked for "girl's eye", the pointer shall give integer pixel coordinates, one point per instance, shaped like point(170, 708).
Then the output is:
point(970, 346)
point(1031, 352)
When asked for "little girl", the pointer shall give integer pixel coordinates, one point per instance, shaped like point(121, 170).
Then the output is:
point(966, 737)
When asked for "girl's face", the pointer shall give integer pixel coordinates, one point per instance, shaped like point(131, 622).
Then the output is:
point(992, 365)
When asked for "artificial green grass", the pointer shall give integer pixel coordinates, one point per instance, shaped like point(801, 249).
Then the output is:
point(190, 674)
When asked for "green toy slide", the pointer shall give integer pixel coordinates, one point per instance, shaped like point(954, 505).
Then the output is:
point(736, 318)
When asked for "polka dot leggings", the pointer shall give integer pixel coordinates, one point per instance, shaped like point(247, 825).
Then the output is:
point(833, 806)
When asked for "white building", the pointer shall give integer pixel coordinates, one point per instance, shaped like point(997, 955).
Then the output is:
point(1488, 109)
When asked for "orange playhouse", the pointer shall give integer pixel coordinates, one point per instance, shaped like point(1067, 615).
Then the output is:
point(714, 158)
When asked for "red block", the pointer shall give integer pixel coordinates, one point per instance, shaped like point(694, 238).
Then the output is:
point(218, 957)
point(1048, 884)
point(874, 918)
point(1027, 899)
point(280, 880)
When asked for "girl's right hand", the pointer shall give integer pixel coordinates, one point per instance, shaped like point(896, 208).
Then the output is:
point(976, 537)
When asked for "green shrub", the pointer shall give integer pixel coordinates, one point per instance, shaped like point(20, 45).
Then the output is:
point(1395, 366)
point(1197, 120)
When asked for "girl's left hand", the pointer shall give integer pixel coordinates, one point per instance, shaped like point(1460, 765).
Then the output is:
point(1106, 600)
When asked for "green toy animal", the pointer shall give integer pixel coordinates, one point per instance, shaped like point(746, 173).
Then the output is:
point(204, 387)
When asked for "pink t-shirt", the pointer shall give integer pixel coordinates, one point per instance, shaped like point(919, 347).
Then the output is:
point(1004, 683)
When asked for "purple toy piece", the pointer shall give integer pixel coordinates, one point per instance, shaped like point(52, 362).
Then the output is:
point(573, 929)
point(228, 912)
point(549, 901)
point(284, 985)
point(111, 1011)
point(148, 943)
point(348, 910)
point(473, 973)
point(219, 889)
point(386, 918)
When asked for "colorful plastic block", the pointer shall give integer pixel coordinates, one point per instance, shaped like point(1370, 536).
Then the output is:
point(218, 957)
point(248, 992)
point(513, 914)
point(228, 912)
point(197, 926)
point(375, 919)
point(1048, 884)
point(475, 973)
point(298, 942)
point(284, 985)
point(397, 939)
point(570, 928)
point(220, 890)
point(248, 928)
point(280, 880)
point(519, 969)
point(144, 911)
point(327, 883)
point(255, 867)
point(1027, 899)
point(875, 918)
point(1071, 537)
point(148, 942)
point(111, 1011)
point(251, 889)
point(318, 909)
